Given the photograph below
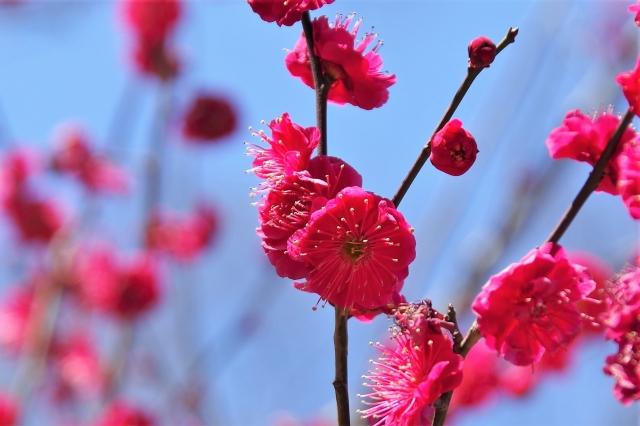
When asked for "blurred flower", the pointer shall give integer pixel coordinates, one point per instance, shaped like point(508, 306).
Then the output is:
point(35, 220)
point(355, 76)
point(77, 368)
point(530, 307)
point(359, 248)
point(595, 304)
point(9, 411)
point(453, 149)
point(584, 139)
point(183, 238)
point(74, 156)
point(630, 83)
point(209, 118)
point(482, 52)
point(18, 165)
point(120, 413)
point(290, 149)
point(152, 22)
point(635, 8)
point(285, 12)
point(622, 323)
point(480, 377)
point(15, 313)
point(288, 206)
point(125, 289)
point(409, 376)
point(629, 177)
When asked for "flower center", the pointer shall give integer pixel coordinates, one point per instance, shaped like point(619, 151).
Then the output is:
point(354, 249)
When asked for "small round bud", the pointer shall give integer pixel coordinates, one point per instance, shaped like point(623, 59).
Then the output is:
point(453, 149)
point(482, 52)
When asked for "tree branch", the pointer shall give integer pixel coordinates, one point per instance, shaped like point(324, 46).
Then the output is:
point(425, 153)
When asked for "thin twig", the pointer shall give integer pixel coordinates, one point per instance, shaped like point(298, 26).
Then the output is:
point(322, 84)
point(472, 73)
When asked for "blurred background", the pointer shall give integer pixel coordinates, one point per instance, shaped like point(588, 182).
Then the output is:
point(225, 341)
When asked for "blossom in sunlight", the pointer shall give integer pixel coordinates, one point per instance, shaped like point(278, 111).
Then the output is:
point(583, 138)
point(453, 149)
point(125, 289)
point(288, 206)
point(9, 411)
point(630, 83)
point(531, 306)
point(358, 248)
point(285, 12)
point(289, 150)
point(629, 177)
point(482, 52)
point(121, 413)
point(209, 118)
point(408, 377)
point(73, 155)
point(354, 72)
point(34, 220)
point(183, 238)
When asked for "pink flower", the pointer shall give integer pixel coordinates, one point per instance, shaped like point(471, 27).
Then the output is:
point(583, 139)
point(18, 165)
point(15, 314)
point(77, 367)
point(184, 238)
point(482, 52)
point(209, 118)
point(288, 206)
point(622, 323)
point(408, 378)
point(74, 156)
point(595, 304)
point(9, 411)
point(629, 177)
point(35, 220)
point(453, 149)
point(152, 20)
point(289, 151)
point(358, 247)
point(121, 413)
point(480, 378)
point(285, 12)
point(635, 8)
point(630, 83)
point(125, 289)
point(531, 306)
point(355, 75)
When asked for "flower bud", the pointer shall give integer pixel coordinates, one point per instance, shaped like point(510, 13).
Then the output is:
point(482, 52)
point(453, 149)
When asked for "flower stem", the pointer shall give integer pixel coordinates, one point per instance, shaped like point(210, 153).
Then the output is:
point(322, 85)
point(425, 153)
point(592, 181)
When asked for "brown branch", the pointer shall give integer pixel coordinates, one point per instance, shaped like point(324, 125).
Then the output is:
point(592, 181)
point(322, 84)
point(425, 153)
